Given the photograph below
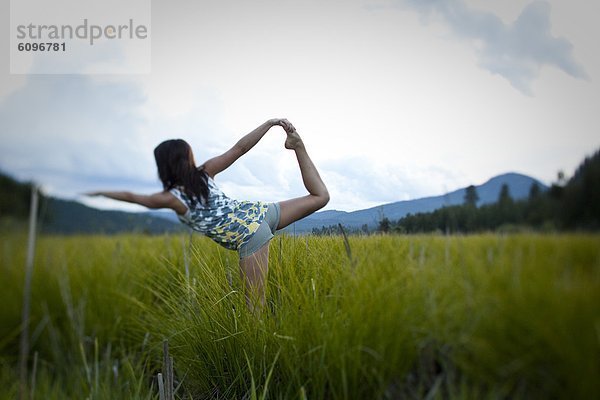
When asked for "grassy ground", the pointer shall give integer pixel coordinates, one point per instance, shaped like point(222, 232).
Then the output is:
point(486, 316)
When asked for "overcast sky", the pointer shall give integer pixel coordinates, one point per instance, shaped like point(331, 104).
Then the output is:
point(395, 100)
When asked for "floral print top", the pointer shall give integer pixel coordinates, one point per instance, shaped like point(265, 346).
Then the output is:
point(228, 222)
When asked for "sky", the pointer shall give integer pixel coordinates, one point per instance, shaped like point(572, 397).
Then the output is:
point(394, 99)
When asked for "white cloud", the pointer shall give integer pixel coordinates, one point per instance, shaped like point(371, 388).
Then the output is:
point(361, 181)
point(516, 51)
point(70, 125)
point(98, 132)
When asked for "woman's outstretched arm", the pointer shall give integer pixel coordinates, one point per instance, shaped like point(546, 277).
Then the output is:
point(156, 200)
point(222, 162)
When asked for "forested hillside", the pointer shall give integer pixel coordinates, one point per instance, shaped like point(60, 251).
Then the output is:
point(15, 197)
point(70, 217)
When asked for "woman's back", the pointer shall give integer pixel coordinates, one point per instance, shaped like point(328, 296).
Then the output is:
point(227, 221)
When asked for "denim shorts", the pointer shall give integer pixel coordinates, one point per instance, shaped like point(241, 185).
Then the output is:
point(264, 233)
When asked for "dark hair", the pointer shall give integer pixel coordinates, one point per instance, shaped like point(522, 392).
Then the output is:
point(175, 162)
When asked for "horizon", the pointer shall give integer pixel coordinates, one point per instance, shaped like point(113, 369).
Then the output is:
point(142, 210)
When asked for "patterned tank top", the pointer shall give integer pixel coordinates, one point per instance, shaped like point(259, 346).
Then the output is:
point(228, 222)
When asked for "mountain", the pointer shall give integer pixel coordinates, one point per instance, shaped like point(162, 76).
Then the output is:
point(168, 215)
point(488, 192)
point(70, 217)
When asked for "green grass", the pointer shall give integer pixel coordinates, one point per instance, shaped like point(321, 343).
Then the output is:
point(486, 316)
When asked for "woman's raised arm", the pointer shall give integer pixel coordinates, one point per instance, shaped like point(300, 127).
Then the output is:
point(222, 162)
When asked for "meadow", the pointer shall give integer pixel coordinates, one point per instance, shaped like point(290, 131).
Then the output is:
point(391, 317)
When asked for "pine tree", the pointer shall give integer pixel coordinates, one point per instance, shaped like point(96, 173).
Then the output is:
point(471, 197)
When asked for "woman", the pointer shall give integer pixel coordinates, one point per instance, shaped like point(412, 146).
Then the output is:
point(237, 225)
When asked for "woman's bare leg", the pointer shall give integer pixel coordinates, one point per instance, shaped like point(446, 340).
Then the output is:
point(254, 269)
point(298, 208)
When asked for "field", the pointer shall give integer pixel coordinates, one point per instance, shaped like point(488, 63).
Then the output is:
point(395, 317)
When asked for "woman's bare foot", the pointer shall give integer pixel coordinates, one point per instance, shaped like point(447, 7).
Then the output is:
point(293, 140)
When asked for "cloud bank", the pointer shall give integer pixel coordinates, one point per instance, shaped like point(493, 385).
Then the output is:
point(71, 127)
point(515, 51)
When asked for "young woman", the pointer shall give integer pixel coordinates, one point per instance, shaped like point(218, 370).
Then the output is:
point(244, 226)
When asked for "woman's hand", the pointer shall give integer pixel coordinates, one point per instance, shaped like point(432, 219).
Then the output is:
point(284, 123)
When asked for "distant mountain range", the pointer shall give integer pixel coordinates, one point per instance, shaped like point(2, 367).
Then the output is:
point(488, 192)
point(71, 217)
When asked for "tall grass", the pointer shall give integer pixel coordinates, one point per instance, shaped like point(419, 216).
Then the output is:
point(407, 317)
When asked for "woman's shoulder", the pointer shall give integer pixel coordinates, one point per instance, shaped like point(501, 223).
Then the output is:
point(211, 182)
point(176, 189)
point(178, 192)
point(202, 169)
